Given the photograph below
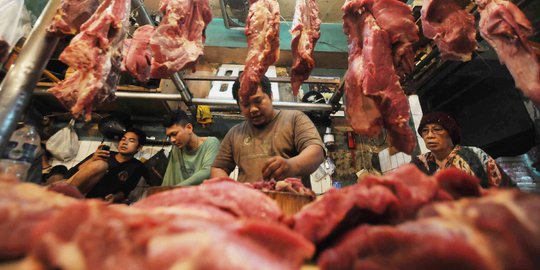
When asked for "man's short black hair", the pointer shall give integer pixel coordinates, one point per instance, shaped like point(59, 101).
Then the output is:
point(141, 135)
point(265, 85)
point(176, 117)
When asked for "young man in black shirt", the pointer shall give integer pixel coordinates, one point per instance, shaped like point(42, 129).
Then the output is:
point(111, 175)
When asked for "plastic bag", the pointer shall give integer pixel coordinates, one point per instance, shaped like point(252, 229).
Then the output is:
point(156, 166)
point(64, 144)
point(14, 24)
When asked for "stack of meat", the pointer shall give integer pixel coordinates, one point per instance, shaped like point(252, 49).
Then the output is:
point(292, 185)
point(380, 35)
point(351, 226)
point(262, 32)
point(502, 25)
point(221, 224)
point(305, 32)
point(95, 54)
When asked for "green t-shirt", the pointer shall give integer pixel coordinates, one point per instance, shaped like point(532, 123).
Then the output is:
point(191, 167)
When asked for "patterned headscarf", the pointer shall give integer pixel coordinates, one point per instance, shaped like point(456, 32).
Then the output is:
point(446, 121)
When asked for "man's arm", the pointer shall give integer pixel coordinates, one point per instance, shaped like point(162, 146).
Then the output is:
point(218, 172)
point(303, 164)
point(115, 198)
point(98, 155)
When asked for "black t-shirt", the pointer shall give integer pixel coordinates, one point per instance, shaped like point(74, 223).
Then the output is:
point(120, 177)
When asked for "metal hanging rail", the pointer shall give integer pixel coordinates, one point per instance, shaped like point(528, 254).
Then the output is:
point(16, 88)
point(210, 102)
point(275, 79)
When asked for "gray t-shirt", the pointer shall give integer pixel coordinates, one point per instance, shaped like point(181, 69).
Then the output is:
point(248, 147)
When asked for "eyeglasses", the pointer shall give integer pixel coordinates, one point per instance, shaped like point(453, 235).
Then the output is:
point(435, 130)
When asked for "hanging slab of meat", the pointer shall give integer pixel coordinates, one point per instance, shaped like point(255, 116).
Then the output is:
point(506, 29)
point(178, 41)
point(92, 235)
point(389, 199)
point(137, 56)
point(71, 15)
point(395, 17)
point(262, 32)
point(451, 27)
point(498, 231)
point(361, 111)
point(225, 194)
point(376, 78)
point(22, 207)
point(305, 32)
point(95, 54)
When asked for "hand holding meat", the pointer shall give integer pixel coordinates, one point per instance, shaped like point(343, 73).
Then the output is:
point(277, 168)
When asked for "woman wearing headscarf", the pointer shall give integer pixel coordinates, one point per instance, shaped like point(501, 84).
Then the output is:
point(441, 134)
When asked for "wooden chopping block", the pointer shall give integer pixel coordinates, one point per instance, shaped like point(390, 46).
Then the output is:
point(290, 203)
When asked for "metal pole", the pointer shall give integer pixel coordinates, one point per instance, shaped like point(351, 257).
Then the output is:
point(142, 17)
point(19, 83)
point(212, 102)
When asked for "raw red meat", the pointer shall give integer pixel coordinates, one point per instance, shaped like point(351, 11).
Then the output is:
point(178, 41)
point(451, 27)
point(305, 32)
point(71, 15)
point(227, 195)
point(506, 29)
point(498, 231)
point(292, 185)
point(389, 199)
point(22, 207)
point(395, 17)
point(138, 56)
point(383, 102)
point(91, 235)
point(262, 32)
point(95, 54)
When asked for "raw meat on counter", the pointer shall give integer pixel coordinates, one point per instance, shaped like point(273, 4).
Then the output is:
point(506, 29)
point(22, 207)
point(305, 32)
point(498, 231)
point(71, 15)
point(95, 54)
point(374, 97)
point(92, 235)
point(292, 185)
point(222, 193)
point(262, 32)
point(451, 27)
point(137, 54)
point(389, 199)
point(178, 41)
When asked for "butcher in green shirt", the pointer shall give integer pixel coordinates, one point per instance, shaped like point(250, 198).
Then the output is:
point(191, 156)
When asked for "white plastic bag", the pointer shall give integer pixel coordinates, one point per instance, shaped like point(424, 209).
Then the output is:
point(14, 24)
point(64, 144)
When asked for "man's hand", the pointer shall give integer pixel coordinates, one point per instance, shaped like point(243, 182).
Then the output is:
point(277, 168)
point(101, 154)
point(109, 198)
point(114, 198)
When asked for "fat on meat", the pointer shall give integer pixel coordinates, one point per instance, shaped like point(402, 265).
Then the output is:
point(451, 27)
point(225, 194)
point(137, 56)
point(178, 41)
point(92, 235)
point(22, 207)
point(305, 32)
point(262, 33)
point(95, 54)
point(497, 231)
point(71, 15)
point(507, 29)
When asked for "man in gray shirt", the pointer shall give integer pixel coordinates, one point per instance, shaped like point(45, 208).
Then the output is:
point(270, 144)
